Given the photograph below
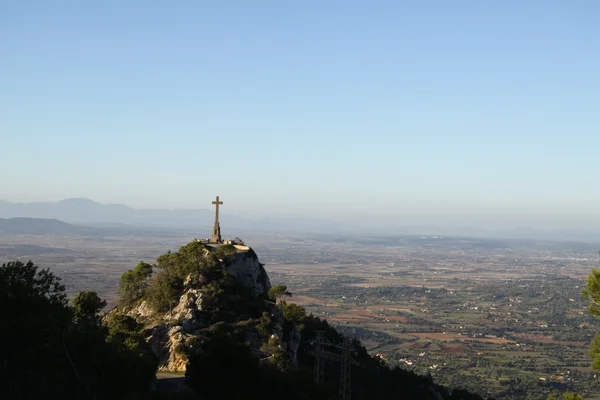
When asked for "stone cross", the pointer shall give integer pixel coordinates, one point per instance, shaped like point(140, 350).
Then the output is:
point(216, 233)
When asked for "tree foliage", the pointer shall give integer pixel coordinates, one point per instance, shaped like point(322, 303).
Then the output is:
point(566, 396)
point(163, 290)
point(26, 283)
point(591, 292)
point(277, 292)
point(193, 260)
point(87, 306)
point(201, 267)
point(265, 324)
point(46, 353)
point(293, 313)
point(227, 253)
point(34, 319)
point(134, 282)
point(221, 361)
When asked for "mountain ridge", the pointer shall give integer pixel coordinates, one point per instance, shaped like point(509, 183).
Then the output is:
point(89, 212)
point(29, 225)
point(84, 211)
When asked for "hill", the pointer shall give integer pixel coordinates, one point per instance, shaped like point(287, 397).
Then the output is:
point(84, 211)
point(88, 212)
point(41, 226)
point(48, 226)
point(210, 311)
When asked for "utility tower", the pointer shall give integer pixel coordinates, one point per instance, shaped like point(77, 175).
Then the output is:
point(319, 357)
point(345, 359)
point(345, 373)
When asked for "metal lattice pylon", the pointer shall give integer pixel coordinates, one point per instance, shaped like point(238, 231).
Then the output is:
point(345, 359)
point(319, 358)
point(345, 373)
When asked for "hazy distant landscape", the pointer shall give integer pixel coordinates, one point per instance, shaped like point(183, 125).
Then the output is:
point(88, 212)
point(83, 211)
point(501, 317)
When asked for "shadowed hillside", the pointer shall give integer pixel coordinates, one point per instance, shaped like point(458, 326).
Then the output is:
point(42, 226)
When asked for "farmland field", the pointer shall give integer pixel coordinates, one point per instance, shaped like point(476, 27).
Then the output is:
point(504, 318)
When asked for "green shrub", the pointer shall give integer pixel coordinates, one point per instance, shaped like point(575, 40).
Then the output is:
point(133, 283)
point(265, 324)
point(163, 291)
point(294, 313)
point(227, 253)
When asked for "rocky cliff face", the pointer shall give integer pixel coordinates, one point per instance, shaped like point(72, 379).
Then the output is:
point(174, 333)
point(291, 345)
point(248, 270)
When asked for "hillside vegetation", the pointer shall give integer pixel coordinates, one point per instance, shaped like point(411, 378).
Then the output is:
point(235, 340)
point(207, 310)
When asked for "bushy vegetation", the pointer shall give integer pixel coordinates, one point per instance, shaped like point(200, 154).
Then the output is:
point(592, 293)
point(86, 307)
point(566, 396)
point(133, 283)
point(50, 350)
point(225, 366)
point(56, 350)
point(202, 267)
point(162, 289)
point(277, 292)
point(227, 253)
point(242, 352)
point(239, 356)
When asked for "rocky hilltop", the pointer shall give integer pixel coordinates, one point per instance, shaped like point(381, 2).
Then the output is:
point(210, 310)
point(217, 277)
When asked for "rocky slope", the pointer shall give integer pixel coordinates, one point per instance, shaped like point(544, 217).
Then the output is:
point(207, 310)
point(173, 333)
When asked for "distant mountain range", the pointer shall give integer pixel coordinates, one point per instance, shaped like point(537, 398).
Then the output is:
point(41, 226)
point(82, 211)
point(45, 226)
point(88, 212)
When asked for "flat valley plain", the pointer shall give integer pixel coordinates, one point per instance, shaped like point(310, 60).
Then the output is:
point(500, 317)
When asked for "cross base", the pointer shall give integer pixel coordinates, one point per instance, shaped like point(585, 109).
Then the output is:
point(216, 234)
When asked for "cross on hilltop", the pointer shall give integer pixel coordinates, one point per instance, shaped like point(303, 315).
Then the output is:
point(216, 232)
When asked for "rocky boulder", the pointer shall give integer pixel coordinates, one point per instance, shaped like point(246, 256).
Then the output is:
point(248, 271)
point(291, 345)
point(168, 344)
point(142, 311)
point(171, 334)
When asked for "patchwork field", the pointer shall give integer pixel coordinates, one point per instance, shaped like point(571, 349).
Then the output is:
point(506, 316)
point(502, 317)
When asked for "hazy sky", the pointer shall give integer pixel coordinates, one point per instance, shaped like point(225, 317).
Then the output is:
point(416, 111)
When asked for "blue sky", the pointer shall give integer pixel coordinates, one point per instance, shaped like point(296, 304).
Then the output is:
point(454, 112)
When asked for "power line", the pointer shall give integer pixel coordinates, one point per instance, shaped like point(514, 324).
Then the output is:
point(345, 359)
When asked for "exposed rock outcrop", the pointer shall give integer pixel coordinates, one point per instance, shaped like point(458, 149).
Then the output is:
point(171, 334)
point(142, 311)
point(187, 311)
point(291, 345)
point(248, 270)
point(166, 342)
